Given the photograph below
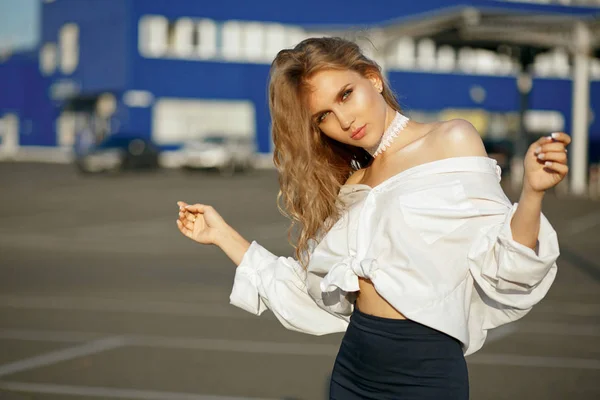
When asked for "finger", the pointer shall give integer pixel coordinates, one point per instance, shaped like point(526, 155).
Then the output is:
point(182, 228)
point(562, 169)
point(190, 217)
point(189, 225)
point(543, 140)
point(197, 208)
point(560, 157)
point(548, 147)
point(182, 204)
point(561, 137)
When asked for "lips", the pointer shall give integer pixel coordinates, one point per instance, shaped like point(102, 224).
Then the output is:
point(359, 133)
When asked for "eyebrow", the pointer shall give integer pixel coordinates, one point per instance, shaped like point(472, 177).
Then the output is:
point(338, 95)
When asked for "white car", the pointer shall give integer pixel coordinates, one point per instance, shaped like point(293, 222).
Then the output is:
point(226, 153)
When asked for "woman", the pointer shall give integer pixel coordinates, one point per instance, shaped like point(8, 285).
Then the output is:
point(406, 240)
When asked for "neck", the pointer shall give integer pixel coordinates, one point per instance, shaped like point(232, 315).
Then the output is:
point(394, 127)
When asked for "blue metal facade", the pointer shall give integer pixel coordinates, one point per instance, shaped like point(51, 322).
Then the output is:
point(23, 92)
point(110, 62)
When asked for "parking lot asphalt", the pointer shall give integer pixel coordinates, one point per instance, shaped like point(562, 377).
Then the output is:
point(101, 297)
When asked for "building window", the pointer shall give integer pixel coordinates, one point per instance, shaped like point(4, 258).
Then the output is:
point(487, 62)
point(176, 120)
point(48, 58)
point(207, 38)
point(404, 55)
point(293, 36)
point(446, 59)
point(69, 48)
point(540, 121)
point(232, 40)
point(560, 62)
point(138, 98)
point(506, 65)
point(153, 33)
point(182, 44)
point(426, 54)
point(254, 41)
point(467, 60)
point(275, 35)
point(9, 134)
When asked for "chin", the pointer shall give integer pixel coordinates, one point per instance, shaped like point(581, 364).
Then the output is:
point(370, 142)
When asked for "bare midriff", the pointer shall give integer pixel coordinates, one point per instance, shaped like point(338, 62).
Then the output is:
point(370, 302)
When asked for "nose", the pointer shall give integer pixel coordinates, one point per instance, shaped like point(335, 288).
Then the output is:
point(345, 120)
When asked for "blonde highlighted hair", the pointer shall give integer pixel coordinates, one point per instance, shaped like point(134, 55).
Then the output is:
point(311, 166)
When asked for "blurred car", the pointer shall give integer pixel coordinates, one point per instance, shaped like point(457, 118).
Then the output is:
point(117, 153)
point(225, 153)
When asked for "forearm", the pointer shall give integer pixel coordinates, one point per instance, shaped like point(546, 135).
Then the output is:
point(232, 244)
point(525, 224)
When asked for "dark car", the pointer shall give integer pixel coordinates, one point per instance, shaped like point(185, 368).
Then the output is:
point(117, 153)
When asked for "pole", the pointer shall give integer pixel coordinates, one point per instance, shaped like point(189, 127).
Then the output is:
point(520, 142)
point(580, 114)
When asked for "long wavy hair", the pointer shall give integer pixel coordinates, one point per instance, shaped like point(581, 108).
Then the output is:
point(312, 167)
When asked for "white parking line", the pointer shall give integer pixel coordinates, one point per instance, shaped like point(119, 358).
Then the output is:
point(112, 393)
point(115, 305)
point(294, 349)
point(534, 361)
point(49, 336)
point(236, 346)
point(63, 355)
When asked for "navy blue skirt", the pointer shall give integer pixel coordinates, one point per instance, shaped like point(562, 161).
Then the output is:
point(383, 358)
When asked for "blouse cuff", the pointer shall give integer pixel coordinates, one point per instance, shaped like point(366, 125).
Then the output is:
point(245, 293)
point(519, 267)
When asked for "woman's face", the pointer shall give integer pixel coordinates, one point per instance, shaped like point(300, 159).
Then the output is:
point(348, 107)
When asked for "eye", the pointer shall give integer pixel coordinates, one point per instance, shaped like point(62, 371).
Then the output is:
point(321, 117)
point(346, 94)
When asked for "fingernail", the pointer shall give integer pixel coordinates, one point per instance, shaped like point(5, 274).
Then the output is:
point(538, 150)
point(554, 135)
point(548, 163)
point(541, 156)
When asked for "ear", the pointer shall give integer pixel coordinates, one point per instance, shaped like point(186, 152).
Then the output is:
point(376, 81)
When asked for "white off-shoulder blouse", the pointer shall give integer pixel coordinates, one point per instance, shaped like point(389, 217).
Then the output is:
point(435, 240)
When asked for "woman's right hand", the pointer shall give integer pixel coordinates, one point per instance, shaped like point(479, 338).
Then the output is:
point(200, 222)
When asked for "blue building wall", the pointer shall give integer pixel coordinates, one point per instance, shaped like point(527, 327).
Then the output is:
point(439, 91)
point(109, 61)
point(24, 92)
point(337, 12)
point(103, 53)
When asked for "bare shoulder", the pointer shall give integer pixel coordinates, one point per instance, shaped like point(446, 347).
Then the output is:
point(356, 177)
point(458, 138)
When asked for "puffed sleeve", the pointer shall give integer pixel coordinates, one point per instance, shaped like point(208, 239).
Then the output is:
point(264, 281)
point(514, 276)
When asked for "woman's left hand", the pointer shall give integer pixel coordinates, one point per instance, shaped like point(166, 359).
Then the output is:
point(546, 162)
